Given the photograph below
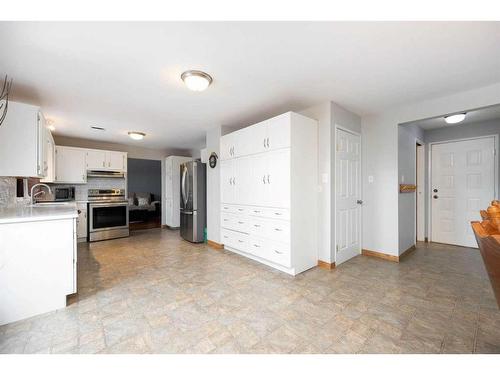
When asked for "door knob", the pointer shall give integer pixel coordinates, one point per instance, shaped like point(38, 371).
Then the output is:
point(359, 201)
point(435, 197)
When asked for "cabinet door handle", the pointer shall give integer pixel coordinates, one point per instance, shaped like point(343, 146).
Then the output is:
point(256, 225)
point(268, 179)
point(256, 245)
point(241, 222)
point(277, 229)
point(103, 164)
point(109, 164)
point(264, 143)
point(264, 179)
point(240, 241)
point(240, 209)
point(267, 142)
point(226, 219)
point(278, 252)
point(256, 211)
point(277, 213)
point(234, 180)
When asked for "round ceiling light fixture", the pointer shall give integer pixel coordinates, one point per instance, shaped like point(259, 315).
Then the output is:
point(196, 80)
point(136, 135)
point(455, 119)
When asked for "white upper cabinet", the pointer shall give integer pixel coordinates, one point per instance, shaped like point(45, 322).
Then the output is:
point(22, 142)
point(49, 164)
point(71, 165)
point(100, 160)
point(272, 134)
point(116, 161)
point(227, 146)
point(96, 159)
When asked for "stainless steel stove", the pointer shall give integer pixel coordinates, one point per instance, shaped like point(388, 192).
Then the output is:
point(108, 214)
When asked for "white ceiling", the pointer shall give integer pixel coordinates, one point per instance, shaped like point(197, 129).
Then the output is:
point(126, 76)
point(471, 117)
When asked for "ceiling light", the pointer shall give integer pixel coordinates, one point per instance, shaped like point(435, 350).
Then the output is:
point(455, 119)
point(136, 135)
point(196, 80)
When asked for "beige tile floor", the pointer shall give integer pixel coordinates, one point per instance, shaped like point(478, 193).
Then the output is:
point(154, 293)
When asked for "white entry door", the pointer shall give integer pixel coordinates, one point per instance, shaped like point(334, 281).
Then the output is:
point(462, 184)
point(348, 196)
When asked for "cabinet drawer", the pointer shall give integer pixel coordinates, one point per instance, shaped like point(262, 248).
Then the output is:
point(235, 222)
point(229, 208)
point(271, 213)
point(257, 227)
point(278, 253)
point(226, 220)
point(235, 240)
point(278, 230)
point(257, 246)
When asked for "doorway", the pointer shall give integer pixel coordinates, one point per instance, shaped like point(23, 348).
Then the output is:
point(420, 201)
point(462, 183)
point(347, 195)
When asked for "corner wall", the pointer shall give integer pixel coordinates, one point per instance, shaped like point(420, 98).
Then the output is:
point(213, 186)
point(380, 160)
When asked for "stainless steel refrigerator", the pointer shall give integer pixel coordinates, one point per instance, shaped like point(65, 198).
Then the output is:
point(193, 200)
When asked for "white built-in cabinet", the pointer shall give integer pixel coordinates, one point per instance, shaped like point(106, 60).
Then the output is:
point(172, 189)
point(106, 160)
point(268, 192)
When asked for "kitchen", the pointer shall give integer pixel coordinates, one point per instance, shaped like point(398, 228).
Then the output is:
point(72, 194)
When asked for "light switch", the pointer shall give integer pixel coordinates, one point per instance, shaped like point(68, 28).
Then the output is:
point(370, 179)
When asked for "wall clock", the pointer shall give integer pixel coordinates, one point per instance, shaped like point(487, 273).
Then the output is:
point(212, 160)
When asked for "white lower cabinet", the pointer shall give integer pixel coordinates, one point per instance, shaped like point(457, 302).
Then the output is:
point(81, 221)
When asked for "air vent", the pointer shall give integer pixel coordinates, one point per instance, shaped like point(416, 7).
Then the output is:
point(97, 128)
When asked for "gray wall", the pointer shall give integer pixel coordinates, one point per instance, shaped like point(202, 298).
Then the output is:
point(144, 176)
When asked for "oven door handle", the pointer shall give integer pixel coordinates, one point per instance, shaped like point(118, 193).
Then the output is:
point(108, 204)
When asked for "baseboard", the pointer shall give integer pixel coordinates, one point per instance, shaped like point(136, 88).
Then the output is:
point(326, 265)
point(165, 226)
point(215, 245)
point(376, 254)
point(407, 251)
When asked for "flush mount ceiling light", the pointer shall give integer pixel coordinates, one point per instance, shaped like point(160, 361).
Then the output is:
point(455, 119)
point(136, 135)
point(196, 80)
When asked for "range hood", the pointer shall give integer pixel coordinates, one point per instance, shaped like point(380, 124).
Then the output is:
point(108, 174)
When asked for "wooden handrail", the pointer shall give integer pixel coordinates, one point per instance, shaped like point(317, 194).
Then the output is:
point(487, 234)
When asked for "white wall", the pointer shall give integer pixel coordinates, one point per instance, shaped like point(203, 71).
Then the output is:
point(323, 114)
point(407, 139)
point(380, 160)
point(329, 115)
point(213, 186)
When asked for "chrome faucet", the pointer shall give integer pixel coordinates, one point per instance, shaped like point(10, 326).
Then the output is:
point(39, 192)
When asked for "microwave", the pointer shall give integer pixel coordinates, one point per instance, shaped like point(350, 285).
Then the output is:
point(64, 193)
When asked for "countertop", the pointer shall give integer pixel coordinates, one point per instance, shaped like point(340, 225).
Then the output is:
point(20, 214)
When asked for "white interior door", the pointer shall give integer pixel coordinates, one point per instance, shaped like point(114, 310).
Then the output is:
point(348, 196)
point(420, 193)
point(462, 183)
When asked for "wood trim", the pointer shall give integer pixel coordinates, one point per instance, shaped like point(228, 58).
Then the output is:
point(326, 265)
point(407, 251)
point(215, 245)
point(376, 254)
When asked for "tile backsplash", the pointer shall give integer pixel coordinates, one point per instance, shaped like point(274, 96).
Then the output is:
point(95, 183)
point(7, 191)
